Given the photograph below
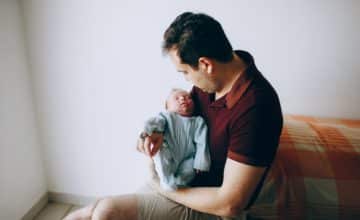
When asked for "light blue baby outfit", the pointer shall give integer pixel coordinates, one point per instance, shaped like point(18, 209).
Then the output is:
point(184, 148)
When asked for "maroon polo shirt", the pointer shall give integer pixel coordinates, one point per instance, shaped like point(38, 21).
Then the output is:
point(244, 125)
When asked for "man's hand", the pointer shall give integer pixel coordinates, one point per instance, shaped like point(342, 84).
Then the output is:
point(150, 145)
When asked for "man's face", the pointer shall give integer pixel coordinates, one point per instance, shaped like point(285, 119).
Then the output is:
point(180, 101)
point(198, 77)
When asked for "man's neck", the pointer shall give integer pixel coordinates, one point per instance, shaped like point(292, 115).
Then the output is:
point(231, 72)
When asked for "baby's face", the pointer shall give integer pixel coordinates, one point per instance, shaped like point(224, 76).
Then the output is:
point(181, 103)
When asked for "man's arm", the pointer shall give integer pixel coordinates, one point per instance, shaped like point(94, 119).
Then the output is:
point(240, 181)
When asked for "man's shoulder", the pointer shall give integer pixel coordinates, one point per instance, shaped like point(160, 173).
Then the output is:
point(259, 101)
point(260, 92)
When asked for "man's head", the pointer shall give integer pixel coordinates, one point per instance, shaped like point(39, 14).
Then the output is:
point(195, 43)
point(179, 101)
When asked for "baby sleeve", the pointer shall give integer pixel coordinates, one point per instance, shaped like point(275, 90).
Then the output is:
point(155, 124)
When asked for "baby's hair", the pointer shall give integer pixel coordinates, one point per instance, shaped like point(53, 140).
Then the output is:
point(172, 91)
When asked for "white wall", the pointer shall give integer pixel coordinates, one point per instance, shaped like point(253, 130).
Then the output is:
point(99, 73)
point(22, 177)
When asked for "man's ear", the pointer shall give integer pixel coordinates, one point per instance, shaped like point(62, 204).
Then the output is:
point(206, 65)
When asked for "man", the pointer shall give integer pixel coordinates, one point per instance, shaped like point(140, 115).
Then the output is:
point(244, 118)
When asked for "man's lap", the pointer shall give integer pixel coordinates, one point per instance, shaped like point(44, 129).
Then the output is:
point(153, 206)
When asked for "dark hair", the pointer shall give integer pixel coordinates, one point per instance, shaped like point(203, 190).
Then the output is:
point(197, 35)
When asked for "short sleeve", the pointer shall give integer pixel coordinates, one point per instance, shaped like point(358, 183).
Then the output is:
point(254, 136)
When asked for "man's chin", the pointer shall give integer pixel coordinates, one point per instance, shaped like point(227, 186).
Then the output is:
point(206, 90)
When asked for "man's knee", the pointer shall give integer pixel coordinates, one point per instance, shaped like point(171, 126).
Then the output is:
point(84, 213)
point(105, 209)
point(115, 208)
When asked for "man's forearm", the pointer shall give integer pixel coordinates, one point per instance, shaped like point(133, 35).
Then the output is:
point(230, 199)
point(203, 199)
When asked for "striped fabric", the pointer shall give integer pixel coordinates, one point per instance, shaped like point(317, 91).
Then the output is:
point(316, 173)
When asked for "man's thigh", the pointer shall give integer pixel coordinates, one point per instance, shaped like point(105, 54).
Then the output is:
point(153, 206)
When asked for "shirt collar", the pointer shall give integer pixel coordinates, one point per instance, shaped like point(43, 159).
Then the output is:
point(243, 82)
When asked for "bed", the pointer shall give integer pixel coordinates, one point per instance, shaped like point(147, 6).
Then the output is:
point(316, 172)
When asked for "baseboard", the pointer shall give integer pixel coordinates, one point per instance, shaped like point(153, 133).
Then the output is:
point(35, 209)
point(57, 197)
point(71, 198)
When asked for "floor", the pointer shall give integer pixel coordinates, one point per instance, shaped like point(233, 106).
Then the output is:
point(55, 211)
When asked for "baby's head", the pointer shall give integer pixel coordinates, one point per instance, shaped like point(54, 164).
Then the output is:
point(179, 101)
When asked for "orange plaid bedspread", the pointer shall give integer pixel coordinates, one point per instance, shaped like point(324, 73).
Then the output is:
point(316, 173)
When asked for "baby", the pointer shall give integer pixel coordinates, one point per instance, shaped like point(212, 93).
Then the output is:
point(184, 150)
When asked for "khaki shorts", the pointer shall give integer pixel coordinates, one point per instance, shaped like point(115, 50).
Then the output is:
point(153, 206)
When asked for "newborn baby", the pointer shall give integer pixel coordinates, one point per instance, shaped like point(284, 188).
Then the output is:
point(184, 150)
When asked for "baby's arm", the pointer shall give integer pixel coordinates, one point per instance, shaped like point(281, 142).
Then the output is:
point(202, 156)
point(155, 124)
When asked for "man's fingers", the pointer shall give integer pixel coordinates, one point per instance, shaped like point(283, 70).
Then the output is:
point(155, 149)
point(147, 146)
point(150, 145)
point(139, 145)
point(158, 141)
